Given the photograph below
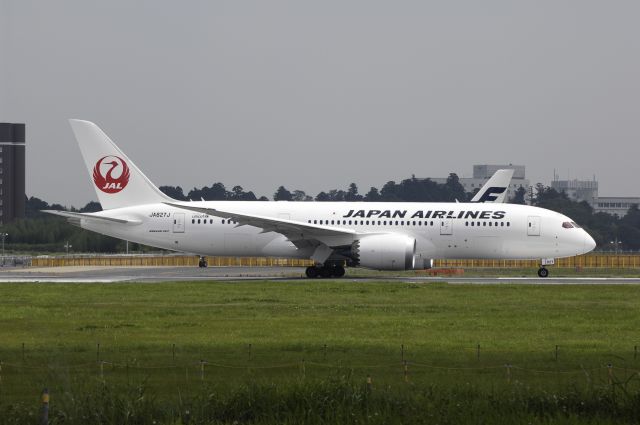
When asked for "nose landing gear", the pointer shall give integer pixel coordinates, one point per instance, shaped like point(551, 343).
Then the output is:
point(543, 271)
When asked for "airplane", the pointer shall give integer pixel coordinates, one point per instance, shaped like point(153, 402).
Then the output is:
point(374, 235)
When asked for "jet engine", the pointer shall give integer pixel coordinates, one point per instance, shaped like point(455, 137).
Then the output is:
point(384, 252)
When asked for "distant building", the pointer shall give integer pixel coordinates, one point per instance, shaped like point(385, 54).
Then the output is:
point(577, 190)
point(587, 190)
point(482, 173)
point(12, 172)
point(614, 205)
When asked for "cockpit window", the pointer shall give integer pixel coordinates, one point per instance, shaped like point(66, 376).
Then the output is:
point(567, 225)
point(576, 225)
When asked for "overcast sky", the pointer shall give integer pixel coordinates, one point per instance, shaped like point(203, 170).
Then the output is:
point(314, 95)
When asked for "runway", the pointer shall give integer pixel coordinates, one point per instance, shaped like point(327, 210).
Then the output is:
point(185, 274)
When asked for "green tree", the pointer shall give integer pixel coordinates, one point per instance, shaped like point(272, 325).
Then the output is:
point(519, 196)
point(352, 193)
point(282, 194)
point(373, 195)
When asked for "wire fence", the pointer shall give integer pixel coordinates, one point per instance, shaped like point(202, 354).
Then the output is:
point(470, 362)
point(591, 261)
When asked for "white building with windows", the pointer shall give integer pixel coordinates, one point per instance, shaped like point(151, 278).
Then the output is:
point(587, 190)
point(615, 205)
point(577, 190)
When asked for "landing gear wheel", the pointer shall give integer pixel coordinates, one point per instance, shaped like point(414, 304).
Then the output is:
point(312, 272)
point(202, 262)
point(543, 272)
point(326, 271)
point(338, 271)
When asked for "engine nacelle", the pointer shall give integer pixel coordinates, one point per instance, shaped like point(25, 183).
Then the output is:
point(422, 263)
point(385, 252)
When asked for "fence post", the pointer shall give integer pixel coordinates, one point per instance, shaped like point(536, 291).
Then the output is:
point(202, 362)
point(478, 352)
point(610, 373)
point(98, 352)
point(508, 366)
point(324, 353)
point(402, 352)
point(173, 353)
point(102, 371)
point(249, 351)
point(44, 417)
point(406, 371)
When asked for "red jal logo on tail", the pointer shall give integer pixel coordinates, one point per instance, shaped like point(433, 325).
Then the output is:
point(106, 182)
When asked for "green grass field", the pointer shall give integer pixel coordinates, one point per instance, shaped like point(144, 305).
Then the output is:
point(301, 352)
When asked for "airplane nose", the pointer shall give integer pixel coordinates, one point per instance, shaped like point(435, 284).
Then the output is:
point(589, 243)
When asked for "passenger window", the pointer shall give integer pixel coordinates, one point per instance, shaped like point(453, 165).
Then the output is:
point(349, 221)
point(432, 223)
point(193, 221)
point(508, 223)
point(315, 221)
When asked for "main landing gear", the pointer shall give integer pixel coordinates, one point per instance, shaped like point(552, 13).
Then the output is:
point(202, 262)
point(543, 272)
point(328, 270)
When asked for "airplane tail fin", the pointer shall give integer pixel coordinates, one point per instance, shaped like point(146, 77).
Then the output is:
point(116, 179)
point(495, 189)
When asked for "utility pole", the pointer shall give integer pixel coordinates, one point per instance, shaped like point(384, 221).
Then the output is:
point(4, 235)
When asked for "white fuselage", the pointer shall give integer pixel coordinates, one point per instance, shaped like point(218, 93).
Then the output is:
point(441, 230)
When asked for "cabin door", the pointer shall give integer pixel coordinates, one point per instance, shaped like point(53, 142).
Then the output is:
point(533, 226)
point(446, 226)
point(178, 222)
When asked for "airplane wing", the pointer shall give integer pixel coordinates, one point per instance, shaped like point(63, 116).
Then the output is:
point(74, 217)
point(495, 189)
point(302, 235)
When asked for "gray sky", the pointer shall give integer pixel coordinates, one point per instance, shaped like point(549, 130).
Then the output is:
point(315, 95)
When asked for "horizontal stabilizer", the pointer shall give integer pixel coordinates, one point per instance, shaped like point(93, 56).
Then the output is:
point(74, 217)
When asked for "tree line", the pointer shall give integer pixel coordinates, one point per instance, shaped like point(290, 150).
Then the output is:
point(39, 232)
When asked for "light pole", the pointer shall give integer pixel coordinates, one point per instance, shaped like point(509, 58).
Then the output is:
point(4, 235)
